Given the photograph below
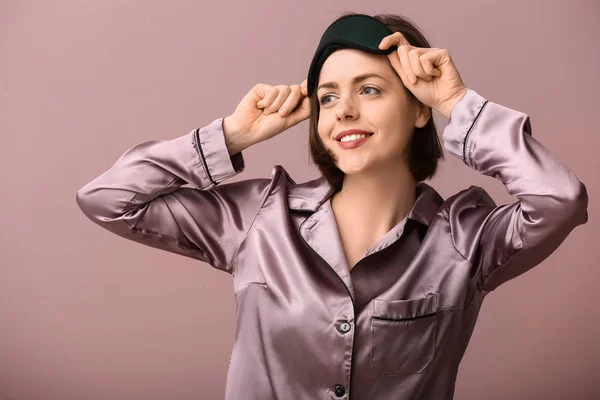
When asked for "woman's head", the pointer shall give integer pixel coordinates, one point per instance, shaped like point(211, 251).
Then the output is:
point(404, 133)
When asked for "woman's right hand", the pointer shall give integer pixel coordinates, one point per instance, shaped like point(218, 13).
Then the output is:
point(264, 112)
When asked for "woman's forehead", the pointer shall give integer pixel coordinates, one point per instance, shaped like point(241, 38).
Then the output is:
point(344, 65)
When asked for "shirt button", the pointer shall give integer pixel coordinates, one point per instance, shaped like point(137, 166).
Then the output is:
point(344, 327)
point(339, 390)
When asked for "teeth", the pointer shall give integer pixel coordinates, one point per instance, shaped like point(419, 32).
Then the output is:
point(349, 138)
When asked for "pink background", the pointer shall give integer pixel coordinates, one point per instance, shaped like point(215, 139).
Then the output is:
point(85, 314)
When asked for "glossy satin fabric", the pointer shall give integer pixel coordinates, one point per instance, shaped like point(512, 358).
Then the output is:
point(397, 326)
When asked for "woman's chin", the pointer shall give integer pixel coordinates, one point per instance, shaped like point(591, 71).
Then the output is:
point(352, 168)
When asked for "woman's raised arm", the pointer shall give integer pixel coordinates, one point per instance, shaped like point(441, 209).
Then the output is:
point(140, 197)
point(503, 242)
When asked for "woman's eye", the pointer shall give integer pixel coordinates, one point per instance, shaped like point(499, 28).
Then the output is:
point(371, 87)
point(322, 99)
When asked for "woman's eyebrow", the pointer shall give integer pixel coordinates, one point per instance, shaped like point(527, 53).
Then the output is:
point(356, 79)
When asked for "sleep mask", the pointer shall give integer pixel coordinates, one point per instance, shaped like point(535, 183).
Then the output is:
point(356, 31)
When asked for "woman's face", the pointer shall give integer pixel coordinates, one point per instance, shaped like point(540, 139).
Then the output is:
point(378, 104)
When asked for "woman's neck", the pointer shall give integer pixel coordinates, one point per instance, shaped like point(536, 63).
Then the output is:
point(373, 203)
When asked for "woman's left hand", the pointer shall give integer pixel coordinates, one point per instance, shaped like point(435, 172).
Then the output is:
point(428, 73)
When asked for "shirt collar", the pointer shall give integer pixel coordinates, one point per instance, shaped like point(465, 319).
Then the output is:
point(309, 196)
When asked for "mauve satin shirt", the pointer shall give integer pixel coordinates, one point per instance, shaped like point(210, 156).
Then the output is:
point(398, 324)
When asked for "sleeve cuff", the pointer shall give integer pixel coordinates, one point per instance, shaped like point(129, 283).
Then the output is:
point(461, 123)
point(217, 162)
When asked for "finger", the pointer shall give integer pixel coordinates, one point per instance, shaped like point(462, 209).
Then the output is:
point(284, 91)
point(406, 67)
point(440, 58)
point(415, 62)
point(395, 61)
point(269, 96)
point(292, 100)
point(395, 38)
point(385, 43)
point(428, 66)
point(301, 113)
point(303, 86)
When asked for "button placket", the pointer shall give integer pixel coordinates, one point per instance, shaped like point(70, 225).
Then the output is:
point(343, 327)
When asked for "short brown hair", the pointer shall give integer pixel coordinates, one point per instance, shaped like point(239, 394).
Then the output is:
point(425, 148)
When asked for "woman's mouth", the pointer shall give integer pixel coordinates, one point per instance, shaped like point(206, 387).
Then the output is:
point(353, 141)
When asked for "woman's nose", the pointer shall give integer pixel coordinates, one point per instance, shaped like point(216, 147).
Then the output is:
point(345, 108)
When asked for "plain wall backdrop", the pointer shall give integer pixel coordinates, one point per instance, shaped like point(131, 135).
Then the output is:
point(85, 314)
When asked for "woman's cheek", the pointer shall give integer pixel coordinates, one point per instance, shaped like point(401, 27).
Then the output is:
point(322, 129)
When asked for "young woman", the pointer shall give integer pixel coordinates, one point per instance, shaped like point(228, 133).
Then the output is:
point(364, 283)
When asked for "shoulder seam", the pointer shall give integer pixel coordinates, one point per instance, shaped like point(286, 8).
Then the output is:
point(447, 216)
point(274, 179)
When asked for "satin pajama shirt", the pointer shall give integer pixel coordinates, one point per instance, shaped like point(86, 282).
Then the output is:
point(398, 324)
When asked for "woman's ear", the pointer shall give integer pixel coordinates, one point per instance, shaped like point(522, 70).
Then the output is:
point(423, 115)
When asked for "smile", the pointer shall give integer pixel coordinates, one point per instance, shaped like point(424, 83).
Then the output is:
point(351, 144)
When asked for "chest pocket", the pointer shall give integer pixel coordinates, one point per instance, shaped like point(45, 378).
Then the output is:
point(403, 334)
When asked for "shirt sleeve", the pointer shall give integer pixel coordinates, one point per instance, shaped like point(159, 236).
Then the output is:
point(510, 239)
point(140, 197)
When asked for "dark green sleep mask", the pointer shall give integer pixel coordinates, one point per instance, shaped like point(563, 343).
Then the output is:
point(357, 31)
